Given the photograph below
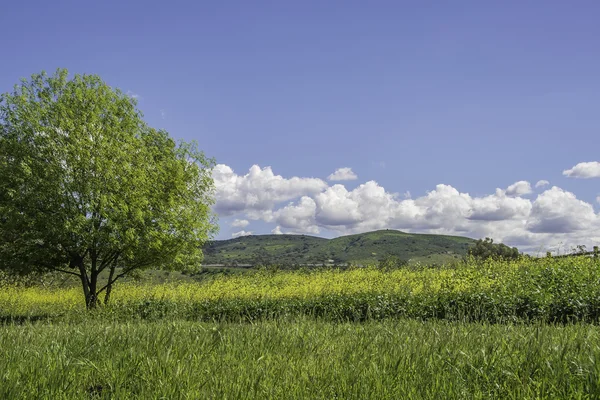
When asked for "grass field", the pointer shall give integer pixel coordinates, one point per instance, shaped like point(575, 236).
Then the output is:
point(525, 329)
point(299, 359)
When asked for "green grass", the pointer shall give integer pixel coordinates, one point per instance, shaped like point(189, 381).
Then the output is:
point(523, 330)
point(365, 248)
point(395, 359)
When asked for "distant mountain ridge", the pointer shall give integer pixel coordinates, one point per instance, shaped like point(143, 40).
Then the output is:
point(363, 248)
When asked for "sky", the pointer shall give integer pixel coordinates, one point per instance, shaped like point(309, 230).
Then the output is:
point(332, 117)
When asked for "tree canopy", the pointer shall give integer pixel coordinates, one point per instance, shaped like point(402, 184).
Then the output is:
point(87, 186)
point(484, 249)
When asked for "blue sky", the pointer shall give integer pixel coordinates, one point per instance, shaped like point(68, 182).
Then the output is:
point(471, 95)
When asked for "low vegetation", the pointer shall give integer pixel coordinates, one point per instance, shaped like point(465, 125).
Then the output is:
point(298, 359)
point(494, 329)
point(549, 290)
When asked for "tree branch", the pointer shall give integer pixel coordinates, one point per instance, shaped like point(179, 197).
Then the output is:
point(108, 261)
point(66, 271)
point(122, 274)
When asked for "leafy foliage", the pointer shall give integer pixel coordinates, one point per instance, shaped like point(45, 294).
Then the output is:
point(484, 249)
point(87, 186)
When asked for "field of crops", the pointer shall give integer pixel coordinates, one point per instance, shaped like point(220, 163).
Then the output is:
point(525, 329)
point(547, 290)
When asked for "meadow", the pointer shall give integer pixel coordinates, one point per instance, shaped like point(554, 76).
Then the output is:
point(520, 329)
point(544, 290)
point(299, 359)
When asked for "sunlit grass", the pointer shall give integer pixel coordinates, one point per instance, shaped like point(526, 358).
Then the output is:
point(474, 331)
point(393, 359)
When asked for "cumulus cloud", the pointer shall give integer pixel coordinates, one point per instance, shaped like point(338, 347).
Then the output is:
point(300, 217)
point(598, 199)
point(499, 207)
point(366, 207)
point(259, 189)
point(542, 183)
point(520, 188)
point(343, 174)
point(241, 233)
point(240, 223)
point(277, 231)
point(584, 170)
point(559, 211)
point(555, 216)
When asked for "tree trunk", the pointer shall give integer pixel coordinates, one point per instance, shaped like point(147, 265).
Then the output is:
point(91, 297)
point(109, 285)
point(89, 284)
point(92, 300)
point(84, 284)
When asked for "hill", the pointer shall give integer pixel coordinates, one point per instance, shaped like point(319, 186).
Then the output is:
point(363, 248)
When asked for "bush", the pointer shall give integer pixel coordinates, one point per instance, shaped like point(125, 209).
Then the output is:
point(484, 249)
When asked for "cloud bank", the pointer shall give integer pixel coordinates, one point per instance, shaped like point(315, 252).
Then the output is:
point(260, 189)
point(310, 205)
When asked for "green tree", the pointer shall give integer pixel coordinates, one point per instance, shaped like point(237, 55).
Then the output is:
point(484, 249)
point(579, 249)
point(88, 187)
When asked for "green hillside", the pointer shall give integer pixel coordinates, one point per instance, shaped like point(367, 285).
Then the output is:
point(362, 248)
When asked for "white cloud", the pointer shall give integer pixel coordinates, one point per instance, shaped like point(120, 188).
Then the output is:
point(298, 217)
point(499, 207)
point(240, 223)
point(260, 189)
point(598, 199)
point(343, 174)
point(337, 206)
point(241, 233)
point(542, 183)
point(277, 231)
point(555, 216)
point(584, 170)
point(520, 188)
point(366, 207)
point(558, 211)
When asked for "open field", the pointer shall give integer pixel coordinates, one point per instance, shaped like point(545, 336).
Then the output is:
point(523, 329)
point(547, 290)
point(299, 359)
